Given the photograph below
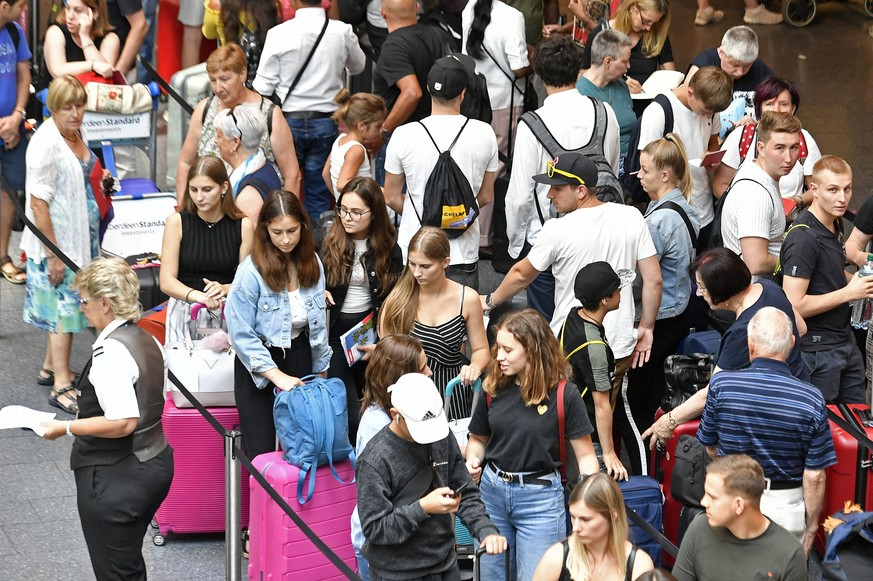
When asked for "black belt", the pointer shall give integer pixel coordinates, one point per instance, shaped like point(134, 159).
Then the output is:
point(517, 477)
point(781, 484)
point(307, 115)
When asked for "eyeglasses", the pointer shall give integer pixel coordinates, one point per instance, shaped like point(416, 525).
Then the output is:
point(235, 124)
point(645, 22)
point(83, 302)
point(551, 170)
point(355, 215)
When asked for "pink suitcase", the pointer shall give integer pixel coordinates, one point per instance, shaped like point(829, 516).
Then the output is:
point(278, 549)
point(195, 503)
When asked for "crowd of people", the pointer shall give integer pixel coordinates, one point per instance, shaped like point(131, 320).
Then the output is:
point(283, 148)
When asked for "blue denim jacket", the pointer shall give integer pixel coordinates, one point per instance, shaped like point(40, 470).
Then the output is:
point(256, 314)
point(675, 251)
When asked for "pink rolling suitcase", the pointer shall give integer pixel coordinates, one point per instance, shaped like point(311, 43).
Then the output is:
point(195, 503)
point(278, 549)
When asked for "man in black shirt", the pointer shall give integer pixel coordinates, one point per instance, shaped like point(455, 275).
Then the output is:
point(814, 280)
point(130, 24)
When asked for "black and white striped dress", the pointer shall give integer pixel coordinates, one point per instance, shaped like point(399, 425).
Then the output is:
point(442, 347)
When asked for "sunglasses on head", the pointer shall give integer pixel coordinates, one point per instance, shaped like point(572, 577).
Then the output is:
point(551, 170)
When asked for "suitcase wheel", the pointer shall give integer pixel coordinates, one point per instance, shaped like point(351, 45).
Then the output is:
point(154, 524)
point(159, 540)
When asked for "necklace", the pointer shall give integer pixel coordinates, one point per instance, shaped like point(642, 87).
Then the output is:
point(209, 224)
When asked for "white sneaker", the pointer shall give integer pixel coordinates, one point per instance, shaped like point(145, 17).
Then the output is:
point(760, 15)
point(708, 15)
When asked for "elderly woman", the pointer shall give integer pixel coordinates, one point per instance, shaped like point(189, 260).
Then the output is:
point(62, 204)
point(81, 41)
point(610, 59)
point(226, 67)
point(121, 460)
point(238, 132)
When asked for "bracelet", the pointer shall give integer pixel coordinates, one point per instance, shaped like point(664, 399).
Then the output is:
point(670, 421)
point(89, 45)
point(22, 111)
point(69, 431)
point(188, 295)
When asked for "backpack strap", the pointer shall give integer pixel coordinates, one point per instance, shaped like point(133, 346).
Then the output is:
point(206, 110)
point(269, 114)
point(777, 270)
point(746, 137)
point(629, 567)
point(670, 205)
point(455, 140)
point(562, 428)
point(256, 183)
point(308, 58)
point(664, 101)
point(542, 134)
point(13, 34)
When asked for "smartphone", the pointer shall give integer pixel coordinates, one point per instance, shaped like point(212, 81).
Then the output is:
point(459, 489)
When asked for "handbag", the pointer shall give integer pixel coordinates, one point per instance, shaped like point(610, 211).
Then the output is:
point(685, 375)
point(206, 372)
point(689, 471)
point(460, 427)
point(312, 425)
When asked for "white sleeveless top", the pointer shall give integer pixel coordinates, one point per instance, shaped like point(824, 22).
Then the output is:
point(338, 155)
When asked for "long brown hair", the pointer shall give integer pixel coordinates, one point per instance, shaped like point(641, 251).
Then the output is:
point(213, 168)
point(394, 355)
point(338, 250)
point(272, 263)
point(398, 310)
point(545, 365)
point(601, 494)
point(100, 27)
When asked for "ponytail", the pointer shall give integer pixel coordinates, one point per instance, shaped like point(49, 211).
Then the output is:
point(481, 20)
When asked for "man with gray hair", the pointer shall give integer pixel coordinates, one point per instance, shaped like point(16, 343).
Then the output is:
point(738, 57)
point(604, 80)
point(778, 420)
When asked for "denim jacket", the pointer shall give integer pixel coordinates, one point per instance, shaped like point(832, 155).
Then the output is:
point(675, 251)
point(257, 317)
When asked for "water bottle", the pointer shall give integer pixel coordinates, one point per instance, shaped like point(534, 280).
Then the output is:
point(862, 310)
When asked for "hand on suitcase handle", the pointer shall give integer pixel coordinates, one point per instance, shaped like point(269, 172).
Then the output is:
point(495, 544)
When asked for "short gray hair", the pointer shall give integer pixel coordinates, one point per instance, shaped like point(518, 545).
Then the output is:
point(250, 125)
point(608, 43)
point(741, 44)
point(771, 331)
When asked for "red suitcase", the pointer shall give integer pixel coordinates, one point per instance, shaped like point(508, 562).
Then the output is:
point(154, 322)
point(661, 469)
point(279, 551)
point(849, 479)
point(195, 503)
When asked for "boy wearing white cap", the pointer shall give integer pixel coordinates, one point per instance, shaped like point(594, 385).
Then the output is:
point(411, 480)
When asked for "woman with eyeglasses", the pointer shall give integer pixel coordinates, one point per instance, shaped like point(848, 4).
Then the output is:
point(362, 261)
point(276, 317)
point(646, 23)
point(238, 134)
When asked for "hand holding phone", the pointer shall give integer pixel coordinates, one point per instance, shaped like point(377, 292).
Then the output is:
point(459, 489)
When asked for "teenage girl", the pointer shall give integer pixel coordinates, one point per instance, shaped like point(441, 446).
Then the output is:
point(362, 114)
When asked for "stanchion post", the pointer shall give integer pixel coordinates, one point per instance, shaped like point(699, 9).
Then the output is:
point(232, 503)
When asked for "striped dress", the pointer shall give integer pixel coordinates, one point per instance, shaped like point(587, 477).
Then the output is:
point(442, 347)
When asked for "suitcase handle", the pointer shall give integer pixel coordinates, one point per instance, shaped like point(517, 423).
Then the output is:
point(480, 552)
point(196, 307)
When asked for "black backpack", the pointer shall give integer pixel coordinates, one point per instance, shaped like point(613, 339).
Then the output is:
point(449, 202)
point(632, 161)
point(716, 239)
point(608, 187)
point(353, 12)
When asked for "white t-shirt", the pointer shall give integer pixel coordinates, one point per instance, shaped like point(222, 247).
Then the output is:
point(505, 41)
point(695, 131)
point(752, 210)
point(374, 14)
point(790, 185)
point(338, 156)
point(610, 232)
point(569, 117)
point(412, 153)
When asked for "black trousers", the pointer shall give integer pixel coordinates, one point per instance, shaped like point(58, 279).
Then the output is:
point(255, 406)
point(453, 573)
point(116, 505)
point(352, 377)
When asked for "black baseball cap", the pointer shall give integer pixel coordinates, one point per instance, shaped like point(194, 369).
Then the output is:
point(449, 76)
point(598, 280)
point(570, 168)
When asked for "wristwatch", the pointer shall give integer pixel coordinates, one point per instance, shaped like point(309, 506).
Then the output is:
point(385, 134)
point(488, 302)
point(670, 421)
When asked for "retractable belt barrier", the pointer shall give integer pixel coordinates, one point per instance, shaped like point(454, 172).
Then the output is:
point(165, 85)
point(656, 535)
point(231, 438)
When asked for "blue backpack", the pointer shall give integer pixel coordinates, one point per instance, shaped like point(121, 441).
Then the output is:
point(849, 550)
point(312, 424)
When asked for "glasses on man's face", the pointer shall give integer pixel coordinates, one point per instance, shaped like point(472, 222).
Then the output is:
point(354, 215)
point(551, 170)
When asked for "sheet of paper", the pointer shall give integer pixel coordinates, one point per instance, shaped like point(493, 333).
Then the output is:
point(709, 160)
point(18, 416)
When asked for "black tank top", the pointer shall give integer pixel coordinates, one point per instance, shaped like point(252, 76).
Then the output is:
point(629, 567)
point(208, 251)
point(73, 52)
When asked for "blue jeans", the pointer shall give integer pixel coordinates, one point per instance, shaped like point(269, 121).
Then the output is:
point(313, 139)
point(363, 565)
point(13, 164)
point(147, 50)
point(531, 517)
point(541, 294)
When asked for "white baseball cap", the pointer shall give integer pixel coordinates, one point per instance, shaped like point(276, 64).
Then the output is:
point(417, 399)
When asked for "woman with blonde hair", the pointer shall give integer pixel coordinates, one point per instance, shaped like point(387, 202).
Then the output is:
point(444, 315)
point(514, 446)
point(80, 42)
point(598, 547)
point(362, 114)
point(646, 23)
point(361, 264)
point(203, 244)
point(674, 226)
point(393, 357)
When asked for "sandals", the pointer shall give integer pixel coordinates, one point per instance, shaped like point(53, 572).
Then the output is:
point(14, 275)
point(45, 377)
point(55, 400)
